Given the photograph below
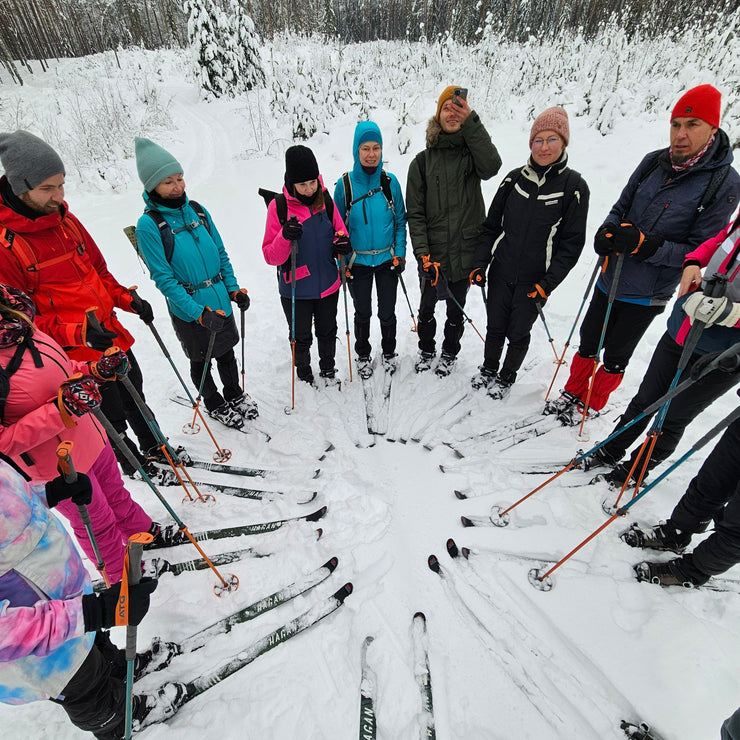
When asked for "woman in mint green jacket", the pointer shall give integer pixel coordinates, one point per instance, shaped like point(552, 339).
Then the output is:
point(188, 262)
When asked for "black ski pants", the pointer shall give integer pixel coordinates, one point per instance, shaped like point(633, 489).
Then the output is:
point(228, 372)
point(386, 287)
point(454, 324)
point(627, 324)
point(323, 313)
point(714, 494)
point(683, 409)
point(119, 407)
point(511, 316)
point(95, 697)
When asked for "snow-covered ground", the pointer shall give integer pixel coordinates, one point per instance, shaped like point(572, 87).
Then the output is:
point(507, 661)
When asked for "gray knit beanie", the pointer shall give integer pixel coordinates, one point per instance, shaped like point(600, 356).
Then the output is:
point(28, 161)
point(154, 163)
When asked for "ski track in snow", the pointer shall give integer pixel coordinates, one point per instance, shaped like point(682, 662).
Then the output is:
point(507, 662)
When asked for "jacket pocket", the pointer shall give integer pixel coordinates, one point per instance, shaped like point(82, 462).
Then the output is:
point(300, 273)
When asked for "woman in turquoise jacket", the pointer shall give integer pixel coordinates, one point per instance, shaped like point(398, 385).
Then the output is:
point(189, 265)
point(370, 202)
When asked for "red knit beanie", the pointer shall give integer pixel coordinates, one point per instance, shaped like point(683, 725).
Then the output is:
point(552, 119)
point(699, 102)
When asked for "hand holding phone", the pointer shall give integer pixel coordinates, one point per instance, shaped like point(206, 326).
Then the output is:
point(459, 92)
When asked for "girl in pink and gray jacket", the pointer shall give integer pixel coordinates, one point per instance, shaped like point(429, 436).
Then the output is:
point(33, 423)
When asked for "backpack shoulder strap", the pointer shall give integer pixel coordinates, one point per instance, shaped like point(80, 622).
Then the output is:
point(715, 183)
point(329, 205)
point(13, 365)
point(385, 185)
point(22, 251)
point(201, 213)
point(165, 232)
point(569, 191)
point(347, 182)
point(281, 203)
point(421, 163)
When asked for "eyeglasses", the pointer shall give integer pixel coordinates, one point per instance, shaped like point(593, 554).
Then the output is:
point(551, 141)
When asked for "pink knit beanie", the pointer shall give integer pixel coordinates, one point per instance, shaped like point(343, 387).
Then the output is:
point(552, 119)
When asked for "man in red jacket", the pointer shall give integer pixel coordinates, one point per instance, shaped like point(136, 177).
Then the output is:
point(46, 252)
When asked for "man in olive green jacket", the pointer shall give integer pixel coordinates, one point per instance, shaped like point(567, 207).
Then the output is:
point(445, 209)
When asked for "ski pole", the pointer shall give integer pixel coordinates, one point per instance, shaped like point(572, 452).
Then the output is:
point(462, 310)
point(222, 454)
point(485, 297)
point(243, 312)
point(652, 437)
point(405, 292)
point(293, 260)
point(117, 439)
point(547, 331)
point(574, 463)
point(67, 469)
point(169, 453)
point(343, 274)
point(544, 583)
point(610, 303)
point(586, 293)
point(132, 576)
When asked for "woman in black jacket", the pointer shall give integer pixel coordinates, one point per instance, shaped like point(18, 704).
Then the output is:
point(532, 238)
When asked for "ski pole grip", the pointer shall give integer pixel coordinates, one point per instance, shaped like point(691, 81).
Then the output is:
point(92, 319)
point(64, 461)
point(135, 549)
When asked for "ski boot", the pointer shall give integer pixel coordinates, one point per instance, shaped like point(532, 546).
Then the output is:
point(599, 458)
point(245, 406)
point(227, 415)
point(637, 732)
point(330, 379)
point(168, 535)
point(664, 537)
point(661, 574)
point(424, 362)
point(483, 378)
point(305, 373)
point(390, 362)
point(502, 386)
point(565, 400)
point(157, 657)
point(157, 707)
point(364, 367)
point(445, 365)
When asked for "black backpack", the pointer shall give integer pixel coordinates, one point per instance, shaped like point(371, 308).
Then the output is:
point(166, 234)
point(282, 204)
point(385, 188)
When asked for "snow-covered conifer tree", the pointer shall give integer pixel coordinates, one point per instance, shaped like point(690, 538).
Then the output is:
point(249, 72)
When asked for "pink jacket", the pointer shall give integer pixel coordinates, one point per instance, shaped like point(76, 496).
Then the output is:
point(32, 426)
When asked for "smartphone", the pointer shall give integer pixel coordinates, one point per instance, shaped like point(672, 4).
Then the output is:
point(459, 92)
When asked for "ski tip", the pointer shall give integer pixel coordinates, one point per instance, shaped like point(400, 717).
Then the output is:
point(459, 494)
point(452, 548)
point(316, 515)
point(319, 533)
point(316, 473)
point(331, 564)
point(442, 468)
point(466, 553)
point(458, 454)
point(368, 640)
point(433, 564)
point(466, 522)
point(344, 592)
point(420, 615)
point(314, 494)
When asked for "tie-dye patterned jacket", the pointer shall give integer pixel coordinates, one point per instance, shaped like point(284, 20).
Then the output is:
point(42, 634)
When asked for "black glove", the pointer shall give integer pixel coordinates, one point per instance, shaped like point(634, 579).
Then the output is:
point(341, 246)
point(399, 265)
point(292, 229)
point(429, 270)
point(80, 490)
point(143, 309)
point(113, 362)
point(241, 298)
point(478, 276)
point(630, 240)
point(537, 294)
point(99, 610)
point(730, 363)
point(212, 320)
point(604, 240)
point(80, 394)
point(99, 338)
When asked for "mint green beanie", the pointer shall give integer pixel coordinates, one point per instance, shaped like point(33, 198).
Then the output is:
point(154, 163)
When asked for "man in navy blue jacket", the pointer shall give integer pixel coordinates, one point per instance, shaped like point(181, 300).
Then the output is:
point(676, 199)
